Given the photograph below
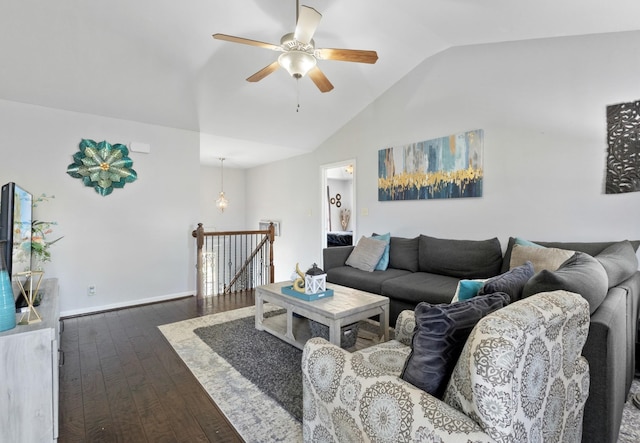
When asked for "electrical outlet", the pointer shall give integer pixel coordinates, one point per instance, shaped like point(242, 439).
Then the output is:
point(92, 290)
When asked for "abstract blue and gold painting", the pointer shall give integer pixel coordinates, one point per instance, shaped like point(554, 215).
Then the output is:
point(445, 167)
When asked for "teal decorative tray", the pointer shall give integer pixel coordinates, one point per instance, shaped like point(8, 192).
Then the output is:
point(288, 290)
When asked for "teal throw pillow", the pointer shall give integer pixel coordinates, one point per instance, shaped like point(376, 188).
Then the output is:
point(523, 242)
point(383, 264)
point(467, 289)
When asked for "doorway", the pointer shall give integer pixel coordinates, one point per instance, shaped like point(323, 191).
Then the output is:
point(338, 203)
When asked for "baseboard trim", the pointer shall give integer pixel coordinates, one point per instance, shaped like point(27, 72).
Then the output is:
point(123, 305)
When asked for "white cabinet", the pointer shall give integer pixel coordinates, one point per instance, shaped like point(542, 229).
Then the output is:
point(29, 375)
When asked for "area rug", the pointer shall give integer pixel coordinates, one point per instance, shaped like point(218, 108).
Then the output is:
point(254, 414)
point(266, 361)
point(269, 415)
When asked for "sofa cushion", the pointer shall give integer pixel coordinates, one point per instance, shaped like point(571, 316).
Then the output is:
point(581, 274)
point(383, 263)
point(366, 254)
point(511, 282)
point(441, 331)
point(591, 248)
point(363, 280)
point(403, 253)
point(420, 286)
point(541, 258)
point(619, 261)
point(460, 258)
point(335, 256)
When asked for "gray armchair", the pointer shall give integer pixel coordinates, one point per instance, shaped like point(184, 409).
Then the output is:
point(520, 377)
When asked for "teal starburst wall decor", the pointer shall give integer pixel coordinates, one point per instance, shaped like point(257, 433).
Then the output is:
point(102, 166)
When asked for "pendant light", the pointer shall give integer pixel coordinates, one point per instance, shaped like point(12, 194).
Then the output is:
point(222, 202)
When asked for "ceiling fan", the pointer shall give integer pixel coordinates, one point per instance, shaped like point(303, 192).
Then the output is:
point(299, 54)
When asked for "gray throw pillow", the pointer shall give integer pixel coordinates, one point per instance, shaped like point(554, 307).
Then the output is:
point(460, 258)
point(511, 282)
point(581, 274)
point(440, 334)
point(619, 261)
point(366, 254)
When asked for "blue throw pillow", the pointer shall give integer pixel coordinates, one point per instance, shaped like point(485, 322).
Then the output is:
point(383, 263)
point(511, 282)
point(523, 242)
point(440, 334)
point(467, 289)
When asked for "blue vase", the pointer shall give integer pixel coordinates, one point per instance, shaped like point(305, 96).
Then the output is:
point(7, 303)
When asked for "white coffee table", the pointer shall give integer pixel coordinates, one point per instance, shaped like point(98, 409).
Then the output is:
point(347, 306)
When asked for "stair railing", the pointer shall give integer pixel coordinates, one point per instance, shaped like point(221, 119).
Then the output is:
point(233, 261)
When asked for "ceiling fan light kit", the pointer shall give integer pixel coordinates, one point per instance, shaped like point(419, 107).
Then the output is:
point(299, 56)
point(297, 63)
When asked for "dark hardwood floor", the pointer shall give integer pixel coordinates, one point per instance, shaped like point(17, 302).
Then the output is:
point(121, 381)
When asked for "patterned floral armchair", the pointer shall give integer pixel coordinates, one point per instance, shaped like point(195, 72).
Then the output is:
point(520, 377)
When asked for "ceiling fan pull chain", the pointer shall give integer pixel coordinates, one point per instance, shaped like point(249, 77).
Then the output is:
point(298, 94)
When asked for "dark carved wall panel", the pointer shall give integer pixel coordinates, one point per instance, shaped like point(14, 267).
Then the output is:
point(623, 156)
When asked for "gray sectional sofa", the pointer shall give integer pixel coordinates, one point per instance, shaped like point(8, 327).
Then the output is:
point(428, 269)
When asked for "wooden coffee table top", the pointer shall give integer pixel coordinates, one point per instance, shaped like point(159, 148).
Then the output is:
point(345, 301)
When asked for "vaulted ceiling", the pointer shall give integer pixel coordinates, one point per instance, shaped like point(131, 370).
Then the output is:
point(154, 61)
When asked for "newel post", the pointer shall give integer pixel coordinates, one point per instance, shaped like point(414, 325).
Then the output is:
point(272, 272)
point(198, 233)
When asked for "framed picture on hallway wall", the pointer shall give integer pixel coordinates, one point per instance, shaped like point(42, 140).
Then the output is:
point(263, 225)
point(445, 167)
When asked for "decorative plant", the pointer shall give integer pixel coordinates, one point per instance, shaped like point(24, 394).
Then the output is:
point(40, 230)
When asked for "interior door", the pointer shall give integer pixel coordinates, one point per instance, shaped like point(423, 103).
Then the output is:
point(338, 203)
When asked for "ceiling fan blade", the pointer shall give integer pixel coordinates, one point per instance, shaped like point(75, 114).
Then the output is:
point(246, 41)
point(264, 72)
point(321, 80)
point(347, 55)
point(308, 20)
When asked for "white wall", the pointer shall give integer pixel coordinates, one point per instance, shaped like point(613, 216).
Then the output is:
point(134, 245)
point(233, 218)
point(542, 106)
point(289, 191)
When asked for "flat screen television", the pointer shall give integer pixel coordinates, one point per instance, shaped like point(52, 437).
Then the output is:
point(16, 207)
